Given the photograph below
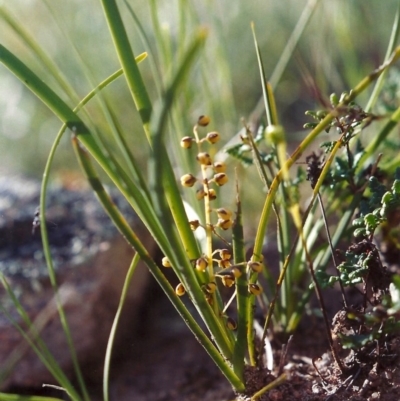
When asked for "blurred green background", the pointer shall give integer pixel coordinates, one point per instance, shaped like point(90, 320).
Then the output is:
point(344, 41)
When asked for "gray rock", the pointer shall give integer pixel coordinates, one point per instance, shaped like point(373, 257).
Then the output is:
point(91, 260)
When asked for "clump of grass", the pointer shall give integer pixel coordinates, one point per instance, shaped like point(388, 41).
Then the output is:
point(221, 282)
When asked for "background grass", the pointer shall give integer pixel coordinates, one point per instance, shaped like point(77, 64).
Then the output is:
point(344, 41)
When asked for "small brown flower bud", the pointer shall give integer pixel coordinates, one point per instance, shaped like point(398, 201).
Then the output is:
point(204, 159)
point(165, 262)
point(186, 142)
point(224, 263)
point(220, 179)
point(255, 266)
point(228, 279)
point(254, 289)
point(194, 224)
point(188, 180)
point(231, 324)
point(201, 264)
point(224, 224)
point(212, 194)
point(224, 214)
point(210, 287)
point(203, 121)
point(213, 137)
point(200, 194)
point(219, 167)
point(225, 254)
point(237, 272)
point(180, 290)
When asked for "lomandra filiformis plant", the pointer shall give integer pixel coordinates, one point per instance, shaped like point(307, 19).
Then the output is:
point(219, 280)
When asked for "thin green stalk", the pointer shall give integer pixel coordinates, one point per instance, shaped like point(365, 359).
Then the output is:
point(392, 43)
point(127, 59)
point(110, 343)
point(242, 294)
point(289, 49)
point(35, 342)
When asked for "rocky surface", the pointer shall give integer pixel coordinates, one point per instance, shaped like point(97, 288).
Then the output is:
point(91, 259)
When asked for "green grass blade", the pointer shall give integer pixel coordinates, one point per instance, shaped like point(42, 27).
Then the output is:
point(392, 43)
point(35, 342)
point(128, 63)
point(242, 294)
point(292, 42)
point(124, 293)
point(40, 54)
point(17, 397)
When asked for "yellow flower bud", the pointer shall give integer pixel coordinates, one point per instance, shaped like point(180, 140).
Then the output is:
point(220, 179)
point(224, 224)
point(204, 159)
point(212, 194)
point(188, 180)
point(224, 263)
point(254, 289)
point(231, 324)
point(200, 194)
point(219, 167)
point(225, 254)
point(180, 290)
point(186, 142)
point(165, 262)
point(237, 272)
point(224, 214)
point(275, 134)
point(210, 287)
point(228, 279)
point(203, 121)
point(194, 224)
point(201, 264)
point(255, 266)
point(213, 137)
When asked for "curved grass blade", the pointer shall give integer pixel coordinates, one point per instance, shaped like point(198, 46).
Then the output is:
point(35, 342)
point(40, 54)
point(107, 361)
point(128, 63)
point(392, 43)
point(17, 397)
